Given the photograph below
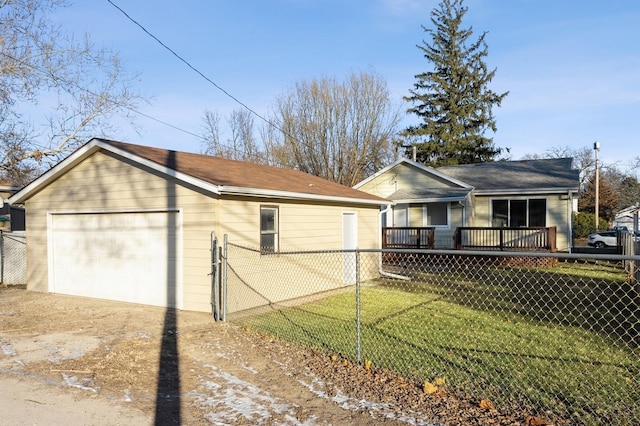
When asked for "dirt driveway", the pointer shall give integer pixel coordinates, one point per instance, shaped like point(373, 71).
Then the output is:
point(67, 360)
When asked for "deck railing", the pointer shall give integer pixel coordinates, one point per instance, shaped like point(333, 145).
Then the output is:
point(408, 237)
point(506, 239)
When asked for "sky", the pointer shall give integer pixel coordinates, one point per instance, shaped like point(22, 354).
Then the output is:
point(571, 67)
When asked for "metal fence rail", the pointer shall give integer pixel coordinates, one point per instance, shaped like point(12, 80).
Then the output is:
point(13, 258)
point(546, 334)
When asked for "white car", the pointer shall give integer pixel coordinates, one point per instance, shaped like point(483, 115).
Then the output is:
point(603, 239)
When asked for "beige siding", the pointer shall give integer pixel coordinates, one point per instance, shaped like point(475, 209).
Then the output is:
point(258, 280)
point(403, 177)
point(443, 236)
point(558, 215)
point(302, 225)
point(103, 183)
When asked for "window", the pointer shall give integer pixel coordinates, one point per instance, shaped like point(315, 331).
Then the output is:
point(268, 229)
point(519, 213)
point(435, 214)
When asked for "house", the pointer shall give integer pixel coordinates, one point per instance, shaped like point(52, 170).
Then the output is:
point(528, 193)
point(11, 218)
point(628, 217)
point(135, 223)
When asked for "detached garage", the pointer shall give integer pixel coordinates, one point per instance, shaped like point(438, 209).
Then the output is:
point(133, 223)
point(131, 256)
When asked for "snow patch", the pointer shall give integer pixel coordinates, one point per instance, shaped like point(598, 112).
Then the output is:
point(74, 382)
point(6, 348)
point(316, 387)
point(230, 398)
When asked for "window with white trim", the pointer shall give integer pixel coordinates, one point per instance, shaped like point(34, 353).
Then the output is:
point(435, 214)
point(519, 212)
point(268, 229)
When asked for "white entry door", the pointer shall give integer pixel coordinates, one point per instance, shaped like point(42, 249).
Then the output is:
point(349, 242)
point(131, 257)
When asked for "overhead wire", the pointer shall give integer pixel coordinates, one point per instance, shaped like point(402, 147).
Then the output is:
point(193, 68)
point(84, 89)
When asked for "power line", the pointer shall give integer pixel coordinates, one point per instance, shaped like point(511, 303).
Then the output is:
point(173, 52)
point(84, 89)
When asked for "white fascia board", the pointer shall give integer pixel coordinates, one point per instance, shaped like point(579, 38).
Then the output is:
point(378, 173)
point(536, 191)
point(53, 173)
point(430, 200)
point(256, 192)
point(435, 172)
point(87, 150)
point(419, 166)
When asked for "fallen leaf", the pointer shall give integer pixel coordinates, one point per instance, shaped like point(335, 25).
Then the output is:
point(536, 421)
point(367, 364)
point(429, 388)
point(485, 404)
point(439, 381)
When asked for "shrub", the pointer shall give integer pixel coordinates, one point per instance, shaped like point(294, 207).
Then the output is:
point(584, 224)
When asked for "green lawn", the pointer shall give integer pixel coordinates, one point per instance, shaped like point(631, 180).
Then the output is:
point(537, 340)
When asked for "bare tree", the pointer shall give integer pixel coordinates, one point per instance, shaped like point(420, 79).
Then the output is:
point(583, 159)
point(211, 135)
point(243, 140)
point(82, 88)
point(341, 131)
point(242, 145)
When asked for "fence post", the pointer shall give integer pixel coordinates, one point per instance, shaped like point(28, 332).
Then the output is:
point(223, 307)
point(358, 330)
point(1, 257)
point(215, 275)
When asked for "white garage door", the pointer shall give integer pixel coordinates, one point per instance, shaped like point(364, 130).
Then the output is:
point(132, 257)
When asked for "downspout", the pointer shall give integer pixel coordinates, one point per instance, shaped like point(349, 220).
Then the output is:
point(380, 271)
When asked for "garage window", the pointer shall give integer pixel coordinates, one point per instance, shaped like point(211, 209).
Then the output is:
point(268, 229)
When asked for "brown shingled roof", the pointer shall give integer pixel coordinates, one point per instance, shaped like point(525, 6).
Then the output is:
point(230, 173)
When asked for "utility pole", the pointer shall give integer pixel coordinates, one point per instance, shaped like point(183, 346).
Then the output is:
point(596, 148)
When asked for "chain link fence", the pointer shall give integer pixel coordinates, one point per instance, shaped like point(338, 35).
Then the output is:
point(555, 335)
point(13, 258)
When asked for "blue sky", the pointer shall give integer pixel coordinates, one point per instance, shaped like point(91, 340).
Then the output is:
point(572, 67)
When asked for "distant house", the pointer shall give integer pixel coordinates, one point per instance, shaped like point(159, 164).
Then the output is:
point(134, 223)
point(528, 193)
point(11, 217)
point(628, 217)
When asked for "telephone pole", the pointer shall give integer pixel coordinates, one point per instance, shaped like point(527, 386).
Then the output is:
point(596, 148)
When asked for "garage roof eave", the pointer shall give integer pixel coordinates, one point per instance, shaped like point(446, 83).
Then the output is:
point(255, 192)
point(91, 147)
point(53, 173)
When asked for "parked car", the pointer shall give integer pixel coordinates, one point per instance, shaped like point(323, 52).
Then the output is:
point(620, 228)
point(603, 239)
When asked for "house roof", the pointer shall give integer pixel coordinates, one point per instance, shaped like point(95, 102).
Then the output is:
point(418, 166)
point(629, 211)
point(7, 186)
point(214, 174)
point(545, 175)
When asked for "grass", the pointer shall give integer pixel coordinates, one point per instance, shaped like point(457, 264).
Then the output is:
point(561, 340)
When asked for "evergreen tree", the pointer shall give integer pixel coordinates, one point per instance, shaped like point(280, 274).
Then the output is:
point(453, 99)
point(608, 200)
point(628, 189)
